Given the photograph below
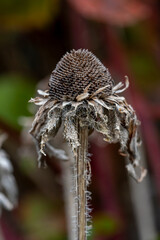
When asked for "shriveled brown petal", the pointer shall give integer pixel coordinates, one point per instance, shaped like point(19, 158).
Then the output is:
point(132, 172)
point(70, 133)
point(38, 100)
point(51, 126)
point(44, 127)
point(40, 118)
point(117, 121)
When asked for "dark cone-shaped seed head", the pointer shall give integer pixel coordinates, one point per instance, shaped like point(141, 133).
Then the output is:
point(74, 72)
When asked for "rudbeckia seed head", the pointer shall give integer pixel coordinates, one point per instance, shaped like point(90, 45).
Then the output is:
point(79, 72)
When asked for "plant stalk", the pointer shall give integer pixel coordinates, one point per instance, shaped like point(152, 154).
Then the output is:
point(81, 182)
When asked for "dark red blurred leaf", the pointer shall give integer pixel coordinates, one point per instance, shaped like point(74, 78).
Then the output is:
point(121, 12)
point(150, 136)
point(155, 111)
point(9, 232)
point(105, 179)
point(140, 104)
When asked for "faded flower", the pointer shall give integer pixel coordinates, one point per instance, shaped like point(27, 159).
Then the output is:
point(8, 186)
point(82, 88)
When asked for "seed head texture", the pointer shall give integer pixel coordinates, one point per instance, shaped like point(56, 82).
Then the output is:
point(75, 72)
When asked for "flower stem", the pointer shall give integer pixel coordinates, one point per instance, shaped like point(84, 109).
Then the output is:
point(81, 182)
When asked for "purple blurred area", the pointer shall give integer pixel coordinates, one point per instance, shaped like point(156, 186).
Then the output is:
point(125, 36)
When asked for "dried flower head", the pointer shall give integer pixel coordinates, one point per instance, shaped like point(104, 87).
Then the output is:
point(82, 88)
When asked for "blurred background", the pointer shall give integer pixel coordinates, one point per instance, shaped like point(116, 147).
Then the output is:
point(125, 36)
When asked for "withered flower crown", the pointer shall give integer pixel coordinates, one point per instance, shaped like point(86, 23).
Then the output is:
point(82, 87)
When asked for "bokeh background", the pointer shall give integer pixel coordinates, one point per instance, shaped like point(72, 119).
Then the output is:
point(125, 36)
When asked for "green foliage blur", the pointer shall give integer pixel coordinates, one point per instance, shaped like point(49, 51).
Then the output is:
point(14, 94)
